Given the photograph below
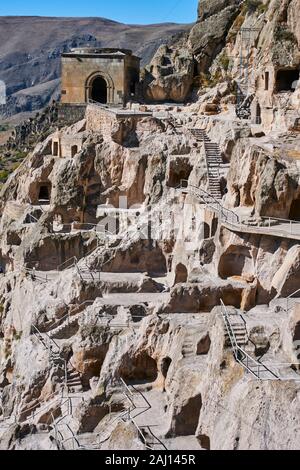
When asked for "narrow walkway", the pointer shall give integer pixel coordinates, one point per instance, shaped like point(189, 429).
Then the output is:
point(232, 219)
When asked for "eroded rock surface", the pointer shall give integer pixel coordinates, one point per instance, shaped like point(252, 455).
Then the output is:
point(149, 285)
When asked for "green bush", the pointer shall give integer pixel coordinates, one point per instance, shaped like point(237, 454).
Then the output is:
point(252, 5)
point(283, 34)
point(4, 175)
point(224, 61)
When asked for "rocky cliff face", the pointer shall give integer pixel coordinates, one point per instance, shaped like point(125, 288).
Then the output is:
point(129, 314)
point(150, 268)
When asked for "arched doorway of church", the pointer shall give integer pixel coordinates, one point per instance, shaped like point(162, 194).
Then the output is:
point(99, 90)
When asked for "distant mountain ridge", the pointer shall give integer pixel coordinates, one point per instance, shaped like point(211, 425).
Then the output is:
point(30, 49)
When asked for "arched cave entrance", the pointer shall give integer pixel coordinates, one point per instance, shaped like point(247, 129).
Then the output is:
point(287, 80)
point(99, 90)
point(206, 230)
point(295, 210)
point(139, 369)
point(181, 274)
point(180, 170)
point(235, 262)
point(165, 365)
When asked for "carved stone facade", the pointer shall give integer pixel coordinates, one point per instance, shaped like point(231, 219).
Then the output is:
point(107, 76)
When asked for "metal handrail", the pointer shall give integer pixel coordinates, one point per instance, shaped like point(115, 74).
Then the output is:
point(230, 217)
point(294, 293)
point(241, 355)
point(39, 336)
point(279, 220)
point(204, 195)
point(62, 267)
point(33, 273)
point(290, 297)
point(155, 437)
point(60, 321)
point(38, 409)
point(148, 407)
point(35, 220)
point(144, 410)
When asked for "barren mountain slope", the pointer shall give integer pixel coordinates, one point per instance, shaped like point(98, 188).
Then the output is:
point(30, 49)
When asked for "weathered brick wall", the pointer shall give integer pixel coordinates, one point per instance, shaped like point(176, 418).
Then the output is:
point(100, 120)
point(70, 113)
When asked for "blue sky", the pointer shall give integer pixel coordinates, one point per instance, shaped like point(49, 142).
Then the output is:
point(126, 11)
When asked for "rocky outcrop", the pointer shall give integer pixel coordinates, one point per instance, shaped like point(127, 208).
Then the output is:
point(137, 311)
point(169, 76)
point(207, 37)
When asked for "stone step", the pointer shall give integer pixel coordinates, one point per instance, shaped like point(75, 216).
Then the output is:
point(61, 329)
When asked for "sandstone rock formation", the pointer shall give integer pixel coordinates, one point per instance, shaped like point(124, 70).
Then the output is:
point(150, 266)
point(169, 76)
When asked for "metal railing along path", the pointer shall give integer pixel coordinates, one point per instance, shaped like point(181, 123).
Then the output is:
point(292, 297)
point(269, 225)
point(254, 367)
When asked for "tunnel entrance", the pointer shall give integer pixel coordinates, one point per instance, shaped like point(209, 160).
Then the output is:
point(287, 80)
point(44, 193)
point(295, 210)
point(179, 170)
point(99, 90)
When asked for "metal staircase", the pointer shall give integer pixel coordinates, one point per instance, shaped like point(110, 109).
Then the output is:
point(72, 379)
point(225, 215)
point(213, 160)
point(138, 406)
point(239, 330)
point(254, 367)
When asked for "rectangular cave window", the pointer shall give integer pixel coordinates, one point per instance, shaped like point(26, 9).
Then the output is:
point(267, 80)
point(287, 80)
point(55, 149)
point(44, 193)
point(74, 150)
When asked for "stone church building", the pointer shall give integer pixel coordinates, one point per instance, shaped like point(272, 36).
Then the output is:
point(107, 76)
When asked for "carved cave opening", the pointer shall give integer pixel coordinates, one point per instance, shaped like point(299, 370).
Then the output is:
point(287, 80)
